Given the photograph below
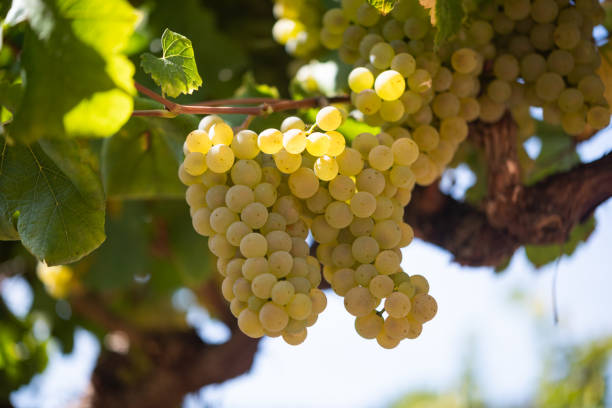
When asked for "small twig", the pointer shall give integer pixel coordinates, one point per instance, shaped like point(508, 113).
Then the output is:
point(265, 106)
point(245, 124)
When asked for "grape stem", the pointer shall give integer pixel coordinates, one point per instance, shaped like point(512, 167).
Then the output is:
point(264, 106)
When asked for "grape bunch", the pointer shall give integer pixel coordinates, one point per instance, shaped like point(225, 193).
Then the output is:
point(297, 26)
point(244, 194)
point(543, 55)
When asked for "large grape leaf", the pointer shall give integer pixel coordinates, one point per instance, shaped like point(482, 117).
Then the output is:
point(176, 71)
point(149, 150)
point(77, 82)
point(540, 255)
point(50, 199)
point(383, 6)
point(448, 17)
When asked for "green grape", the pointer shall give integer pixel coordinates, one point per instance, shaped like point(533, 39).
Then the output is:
point(424, 307)
point(278, 241)
point(381, 286)
point(542, 36)
point(282, 292)
point(397, 305)
point(403, 63)
point(338, 215)
point(371, 181)
point(322, 232)
point(363, 204)
point(490, 111)
point(249, 324)
point(561, 62)
point(592, 88)
point(506, 67)
point(350, 162)
point(195, 164)
point(499, 91)
point(544, 11)
point(387, 262)
point(426, 137)
point(517, 9)
point(281, 263)
point(598, 117)
point(532, 66)
point(446, 105)
point(303, 183)
point(326, 168)
point(317, 144)
point(573, 122)
point(392, 111)
point(215, 196)
point(254, 215)
point(470, 109)
point(570, 100)
point(567, 36)
point(238, 196)
point(463, 85)
point(337, 143)
point(364, 142)
point(221, 133)
point(367, 42)
point(352, 37)
point(381, 55)
point(443, 80)
point(330, 40)
point(220, 247)
point(291, 122)
point(549, 86)
point(502, 24)
point(465, 60)
point(335, 21)
point(365, 249)
point(416, 28)
point(412, 102)
point(294, 141)
point(420, 81)
point(402, 177)
point(367, 15)
point(368, 102)
point(342, 256)
point(481, 32)
point(196, 196)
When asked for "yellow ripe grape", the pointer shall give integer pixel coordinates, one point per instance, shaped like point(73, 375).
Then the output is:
point(365, 249)
point(337, 143)
point(372, 181)
point(201, 222)
point(221, 218)
point(319, 300)
point(359, 79)
point(407, 234)
point(220, 158)
point(286, 162)
point(464, 60)
point(317, 144)
point(186, 178)
point(363, 204)
point(387, 262)
point(236, 307)
point(292, 122)
point(196, 196)
point(380, 158)
point(402, 177)
point(253, 267)
point(424, 307)
point(343, 280)
point(208, 121)
point(195, 164)
point(273, 317)
point(342, 188)
point(281, 263)
point(303, 183)
point(253, 245)
point(389, 85)
point(278, 241)
point(282, 292)
point(322, 232)
point(262, 285)
point(326, 168)
point(369, 326)
point(364, 142)
point(358, 301)
point(289, 207)
point(198, 141)
point(266, 194)
point(238, 196)
point(211, 179)
point(270, 141)
point(254, 215)
point(294, 141)
point(244, 145)
point(396, 328)
point(319, 201)
point(420, 81)
point(420, 284)
point(220, 247)
point(249, 324)
point(236, 231)
point(329, 118)
point(405, 151)
point(342, 256)
point(367, 101)
point(350, 162)
point(381, 286)
point(387, 233)
point(338, 215)
point(392, 111)
point(242, 289)
point(300, 307)
point(397, 305)
point(364, 274)
point(246, 172)
point(426, 137)
point(221, 133)
point(271, 175)
point(295, 339)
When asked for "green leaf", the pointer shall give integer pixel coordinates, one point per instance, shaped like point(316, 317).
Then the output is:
point(449, 17)
point(149, 149)
point(540, 255)
point(558, 153)
point(176, 71)
point(384, 6)
point(77, 82)
point(52, 199)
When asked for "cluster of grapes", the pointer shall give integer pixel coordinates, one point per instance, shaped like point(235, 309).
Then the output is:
point(543, 55)
point(401, 84)
point(297, 26)
point(244, 194)
point(360, 230)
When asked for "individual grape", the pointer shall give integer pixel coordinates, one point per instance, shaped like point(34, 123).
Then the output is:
point(387, 234)
point(265, 193)
point(186, 178)
point(195, 164)
point(561, 62)
point(272, 317)
point(352, 37)
point(454, 129)
point(361, 226)
point(335, 21)
point(198, 141)
point(592, 88)
point(403, 63)
point(343, 280)
point(342, 256)
point(405, 151)
point(499, 91)
point(481, 32)
point(570, 100)
point(387, 262)
point(446, 105)
point(542, 36)
point(368, 102)
point(196, 196)
point(465, 60)
point(463, 85)
point(318, 299)
point(220, 158)
point(246, 172)
point(317, 144)
point(380, 158)
point(532, 66)
point(244, 145)
point(573, 122)
point(402, 176)
point(330, 40)
point(360, 79)
point(598, 117)
point(420, 284)
point(420, 81)
point(219, 246)
point(208, 121)
point(384, 207)
point(253, 245)
point(221, 218)
point(367, 42)
point(544, 11)
point(326, 168)
point(397, 305)
point(426, 137)
point(358, 301)
point(365, 249)
point(271, 175)
point(549, 86)
point(367, 15)
point(201, 222)
point(395, 329)
point(215, 196)
point(289, 208)
point(443, 80)
point(292, 122)
point(300, 307)
point(381, 55)
point(254, 215)
point(392, 111)
point(412, 102)
point(295, 339)
point(253, 267)
point(270, 141)
point(337, 143)
point(416, 28)
point(294, 141)
point(369, 326)
point(506, 67)
point(381, 286)
point(350, 162)
point(371, 181)
point(285, 29)
point(303, 183)
point(329, 118)
point(286, 162)
point(390, 85)
point(262, 285)
point(249, 324)
point(517, 9)
point(221, 133)
point(319, 200)
point(338, 215)
point(278, 241)
point(322, 232)
point(567, 36)
point(424, 307)
point(238, 196)
point(236, 231)
point(490, 111)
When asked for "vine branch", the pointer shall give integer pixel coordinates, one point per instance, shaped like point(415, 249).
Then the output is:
point(264, 106)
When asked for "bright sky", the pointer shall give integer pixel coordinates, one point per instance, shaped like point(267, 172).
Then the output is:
point(336, 368)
